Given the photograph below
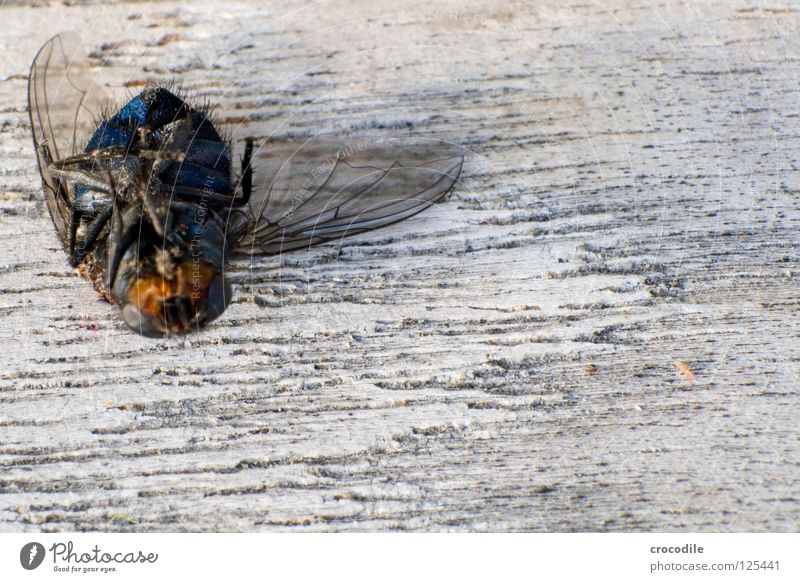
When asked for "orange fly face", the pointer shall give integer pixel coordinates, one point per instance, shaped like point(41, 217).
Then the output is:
point(193, 296)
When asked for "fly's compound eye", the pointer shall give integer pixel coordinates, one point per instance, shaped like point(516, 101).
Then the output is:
point(218, 298)
point(147, 325)
point(159, 307)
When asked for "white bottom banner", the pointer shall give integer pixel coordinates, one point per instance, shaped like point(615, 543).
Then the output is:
point(371, 557)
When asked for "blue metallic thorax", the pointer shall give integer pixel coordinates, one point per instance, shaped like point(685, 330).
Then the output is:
point(170, 125)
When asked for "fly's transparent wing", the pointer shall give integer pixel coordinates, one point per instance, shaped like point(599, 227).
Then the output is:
point(63, 104)
point(304, 194)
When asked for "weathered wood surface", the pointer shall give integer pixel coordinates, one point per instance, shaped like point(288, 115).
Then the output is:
point(598, 330)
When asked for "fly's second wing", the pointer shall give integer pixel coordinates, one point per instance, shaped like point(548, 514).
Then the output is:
point(322, 190)
point(63, 105)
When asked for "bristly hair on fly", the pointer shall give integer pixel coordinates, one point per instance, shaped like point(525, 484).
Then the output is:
point(192, 97)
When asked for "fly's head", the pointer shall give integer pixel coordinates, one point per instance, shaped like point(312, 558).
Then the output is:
point(167, 269)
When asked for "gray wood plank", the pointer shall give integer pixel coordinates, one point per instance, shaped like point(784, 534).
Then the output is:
point(597, 330)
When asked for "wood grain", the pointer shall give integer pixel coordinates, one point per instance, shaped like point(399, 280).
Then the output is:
point(596, 331)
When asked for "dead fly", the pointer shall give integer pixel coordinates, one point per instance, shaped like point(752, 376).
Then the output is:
point(149, 207)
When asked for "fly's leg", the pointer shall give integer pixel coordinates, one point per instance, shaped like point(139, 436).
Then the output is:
point(110, 153)
point(115, 248)
point(83, 177)
point(100, 154)
point(196, 194)
point(74, 222)
point(90, 237)
point(246, 181)
point(247, 173)
point(246, 178)
point(95, 227)
point(120, 238)
point(70, 170)
point(156, 212)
